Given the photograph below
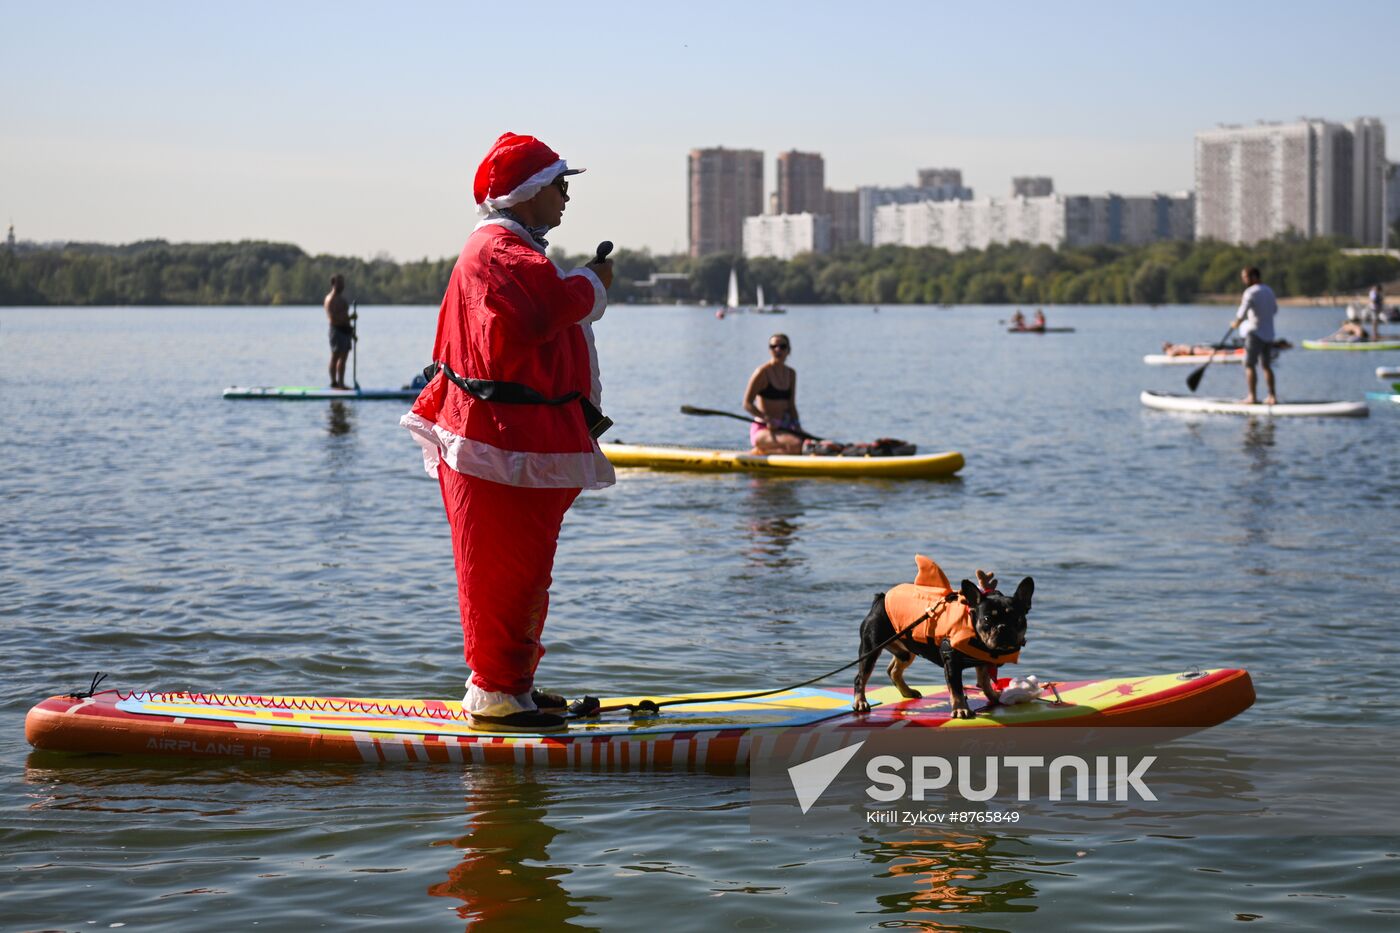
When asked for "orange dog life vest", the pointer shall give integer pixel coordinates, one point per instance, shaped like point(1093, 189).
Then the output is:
point(910, 603)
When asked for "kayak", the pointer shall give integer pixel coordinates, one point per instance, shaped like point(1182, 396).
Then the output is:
point(1351, 344)
point(1040, 330)
point(708, 733)
point(1224, 406)
point(914, 466)
point(1388, 372)
point(316, 392)
point(1384, 396)
point(1162, 359)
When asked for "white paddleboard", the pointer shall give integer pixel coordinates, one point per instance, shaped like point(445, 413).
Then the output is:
point(1224, 406)
point(1161, 359)
point(316, 392)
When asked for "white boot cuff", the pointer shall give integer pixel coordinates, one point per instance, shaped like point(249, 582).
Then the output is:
point(491, 703)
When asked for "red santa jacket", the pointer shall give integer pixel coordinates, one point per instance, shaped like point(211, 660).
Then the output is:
point(511, 315)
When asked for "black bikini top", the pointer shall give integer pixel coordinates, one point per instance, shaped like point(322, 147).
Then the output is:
point(777, 395)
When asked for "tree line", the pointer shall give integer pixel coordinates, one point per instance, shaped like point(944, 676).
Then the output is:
point(155, 272)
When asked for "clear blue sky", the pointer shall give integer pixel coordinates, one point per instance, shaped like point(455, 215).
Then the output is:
point(354, 128)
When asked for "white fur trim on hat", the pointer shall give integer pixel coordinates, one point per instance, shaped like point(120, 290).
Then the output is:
point(527, 189)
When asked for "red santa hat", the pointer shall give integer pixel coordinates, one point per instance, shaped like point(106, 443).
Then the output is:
point(514, 170)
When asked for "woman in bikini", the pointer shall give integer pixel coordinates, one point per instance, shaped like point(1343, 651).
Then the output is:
point(771, 397)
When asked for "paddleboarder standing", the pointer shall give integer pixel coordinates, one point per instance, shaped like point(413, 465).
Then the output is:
point(508, 423)
point(342, 330)
point(1256, 323)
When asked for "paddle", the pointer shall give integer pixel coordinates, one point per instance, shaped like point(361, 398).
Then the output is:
point(355, 346)
point(692, 410)
point(1194, 380)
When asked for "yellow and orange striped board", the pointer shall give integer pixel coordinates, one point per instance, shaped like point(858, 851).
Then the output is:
point(704, 733)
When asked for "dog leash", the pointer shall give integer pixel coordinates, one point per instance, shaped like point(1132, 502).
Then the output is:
point(588, 706)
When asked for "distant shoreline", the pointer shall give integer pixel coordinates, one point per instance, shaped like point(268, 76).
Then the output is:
point(155, 273)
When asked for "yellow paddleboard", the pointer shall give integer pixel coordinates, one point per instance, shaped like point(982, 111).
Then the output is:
point(699, 459)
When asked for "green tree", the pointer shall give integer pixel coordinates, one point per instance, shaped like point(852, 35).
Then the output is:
point(1149, 285)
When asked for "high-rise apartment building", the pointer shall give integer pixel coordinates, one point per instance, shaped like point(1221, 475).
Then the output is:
point(783, 236)
point(843, 207)
point(801, 182)
point(726, 185)
point(869, 198)
point(1368, 191)
point(1392, 199)
point(940, 177)
point(1311, 177)
point(1032, 186)
point(1057, 220)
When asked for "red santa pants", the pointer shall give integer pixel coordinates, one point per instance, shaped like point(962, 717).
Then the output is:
point(503, 540)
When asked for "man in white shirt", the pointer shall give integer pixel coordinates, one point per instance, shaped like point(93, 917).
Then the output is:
point(1256, 323)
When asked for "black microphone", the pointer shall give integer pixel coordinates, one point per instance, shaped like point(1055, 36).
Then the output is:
point(604, 248)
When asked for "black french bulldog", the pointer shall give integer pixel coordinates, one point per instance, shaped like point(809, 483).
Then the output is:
point(997, 630)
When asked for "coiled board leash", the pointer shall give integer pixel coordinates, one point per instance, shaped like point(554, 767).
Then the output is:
point(586, 707)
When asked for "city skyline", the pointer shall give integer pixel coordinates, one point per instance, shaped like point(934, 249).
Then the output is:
point(349, 132)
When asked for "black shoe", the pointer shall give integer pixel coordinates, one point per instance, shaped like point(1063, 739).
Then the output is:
point(548, 702)
point(524, 721)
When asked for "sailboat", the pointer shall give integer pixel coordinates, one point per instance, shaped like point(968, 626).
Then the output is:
point(764, 308)
point(731, 301)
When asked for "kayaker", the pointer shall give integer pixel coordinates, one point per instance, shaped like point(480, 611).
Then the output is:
point(1255, 320)
point(342, 330)
point(1377, 298)
point(1038, 323)
point(503, 425)
point(1018, 320)
point(771, 397)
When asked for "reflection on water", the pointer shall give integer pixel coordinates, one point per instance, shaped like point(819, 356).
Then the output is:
point(772, 509)
point(1260, 491)
point(947, 873)
point(340, 418)
point(504, 880)
point(1258, 436)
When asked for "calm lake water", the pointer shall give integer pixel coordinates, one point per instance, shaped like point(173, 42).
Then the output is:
point(150, 529)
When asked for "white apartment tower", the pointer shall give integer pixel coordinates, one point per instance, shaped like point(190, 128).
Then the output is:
point(1368, 194)
point(783, 236)
point(1312, 177)
point(1055, 220)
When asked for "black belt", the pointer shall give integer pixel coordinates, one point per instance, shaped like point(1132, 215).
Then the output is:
point(517, 393)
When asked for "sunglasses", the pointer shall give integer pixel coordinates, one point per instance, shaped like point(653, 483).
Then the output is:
point(562, 184)
point(777, 346)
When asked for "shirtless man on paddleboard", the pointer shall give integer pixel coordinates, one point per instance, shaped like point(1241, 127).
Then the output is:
point(342, 330)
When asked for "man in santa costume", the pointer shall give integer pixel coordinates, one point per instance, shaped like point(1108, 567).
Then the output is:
point(508, 423)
